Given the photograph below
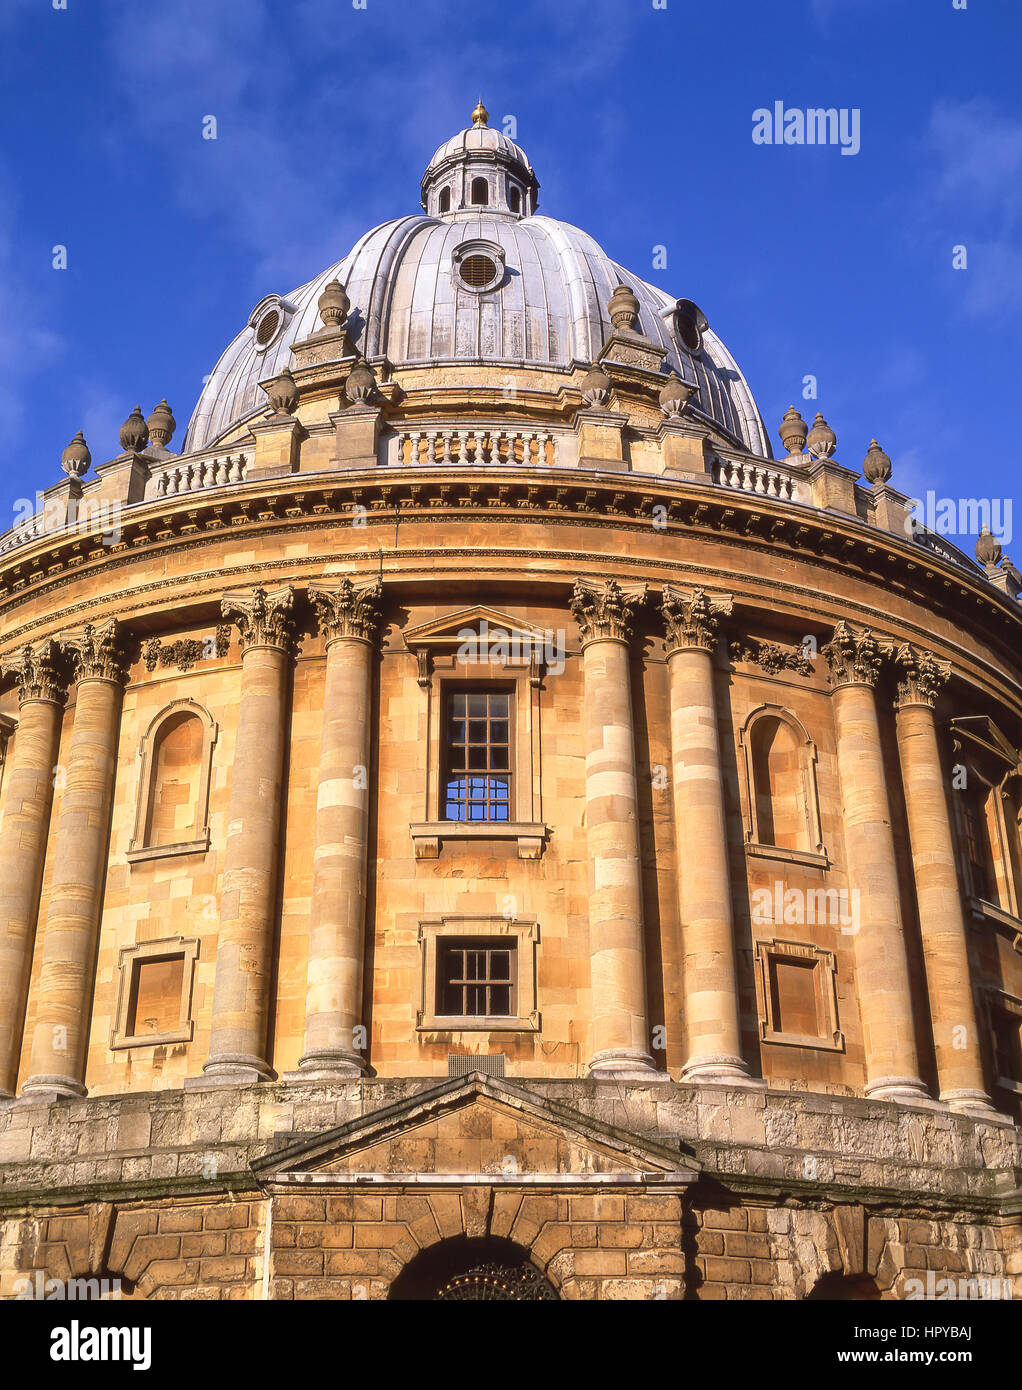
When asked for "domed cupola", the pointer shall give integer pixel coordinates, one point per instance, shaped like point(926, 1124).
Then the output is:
point(480, 170)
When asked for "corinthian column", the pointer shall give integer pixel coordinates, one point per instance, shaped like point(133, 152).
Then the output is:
point(241, 990)
point(42, 692)
point(620, 1026)
point(700, 830)
point(881, 962)
point(57, 1061)
point(941, 922)
point(333, 1011)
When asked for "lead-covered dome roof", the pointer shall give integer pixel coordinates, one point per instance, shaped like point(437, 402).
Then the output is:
point(470, 281)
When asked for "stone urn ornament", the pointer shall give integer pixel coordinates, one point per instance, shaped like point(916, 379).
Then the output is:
point(361, 383)
point(161, 424)
point(876, 466)
point(333, 305)
point(282, 393)
point(596, 387)
point(624, 309)
point(988, 548)
point(675, 395)
point(134, 432)
point(821, 440)
point(76, 458)
point(793, 431)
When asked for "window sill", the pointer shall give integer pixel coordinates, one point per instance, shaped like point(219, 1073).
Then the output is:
point(146, 852)
point(834, 1044)
point(788, 856)
point(446, 1024)
point(427, 836)
point(176, 1035)
point(985, 911)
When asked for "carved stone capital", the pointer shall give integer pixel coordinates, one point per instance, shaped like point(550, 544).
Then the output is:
point(99, 653)
point(41, 672)
point(853, 656)
point(344, 611)
point(692, 619)
point(921, 677)
point(607, 613)
point(263, 619)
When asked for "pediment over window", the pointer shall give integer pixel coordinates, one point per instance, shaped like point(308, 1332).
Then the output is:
point(979, 734)
point(448, 632)
point(476, 1128)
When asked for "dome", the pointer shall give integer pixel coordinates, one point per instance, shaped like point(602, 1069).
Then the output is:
point(414, 300)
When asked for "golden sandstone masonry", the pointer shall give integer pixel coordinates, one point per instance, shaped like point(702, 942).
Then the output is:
point(478, 826)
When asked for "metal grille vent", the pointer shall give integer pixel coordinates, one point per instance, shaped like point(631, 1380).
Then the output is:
point(267, 327)
point(461, 1063)
point(478, 271)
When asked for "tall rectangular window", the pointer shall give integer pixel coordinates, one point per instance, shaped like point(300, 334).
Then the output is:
point(477, 781)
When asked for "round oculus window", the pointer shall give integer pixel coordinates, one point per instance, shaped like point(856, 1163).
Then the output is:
point(688, 332)
point(267, 327)
point(478, 271)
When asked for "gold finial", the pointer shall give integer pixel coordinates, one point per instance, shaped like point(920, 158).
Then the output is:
point(480, 115)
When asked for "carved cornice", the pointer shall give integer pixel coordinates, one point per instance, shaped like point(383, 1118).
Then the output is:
point(693, 619)
point(921, 676)
point(344, 611)
point(185, 653)
point(263, 619)
point(771, 657)
point(99, 653)
point(40, 672)
point(853, 655)
point(605, 614)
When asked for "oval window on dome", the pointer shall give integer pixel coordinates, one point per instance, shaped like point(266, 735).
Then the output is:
point(478, 271)
point(267, 327)
point(690, 323)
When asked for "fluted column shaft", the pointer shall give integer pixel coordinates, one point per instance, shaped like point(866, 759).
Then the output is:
point(333, 1016)
point(712, 1020)
point(59, 1038)
point(23, 838)
point(239, 1040)
point(620, 1026)
point(941, 920)
point(881, 960)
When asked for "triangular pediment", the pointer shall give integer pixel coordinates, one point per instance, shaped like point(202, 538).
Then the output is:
point(479, 1127)
point(981, 733)
point(450, 629)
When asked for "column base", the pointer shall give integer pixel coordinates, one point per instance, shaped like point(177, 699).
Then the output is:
point(624, 1064)
point(975, 1103)
point(709, 1069)
point(329, 1064)
point(238, 1070)
point(47, 1088)
point(908, 1090)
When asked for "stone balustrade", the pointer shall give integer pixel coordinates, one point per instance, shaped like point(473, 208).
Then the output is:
point(766, 482)
point(195, 475)
point(482, 444)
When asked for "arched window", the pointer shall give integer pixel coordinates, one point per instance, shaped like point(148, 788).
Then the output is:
point(514, 200)
point(480, 194)
point(780, 766)
point(173, 801)
point(444, 204)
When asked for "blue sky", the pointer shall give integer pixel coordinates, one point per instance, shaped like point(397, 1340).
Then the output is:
point(639, 124)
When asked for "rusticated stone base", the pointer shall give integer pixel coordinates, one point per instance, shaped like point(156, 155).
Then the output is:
point(301, 1190)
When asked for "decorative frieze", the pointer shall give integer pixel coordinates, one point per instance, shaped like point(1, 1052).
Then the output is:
point(692, 619)
point(771, 657)
point(606, 614)
point(263, 619)
point(344, 611)
point(921, 676)
point(185, 653)
point(41, 672)
point(853, 655)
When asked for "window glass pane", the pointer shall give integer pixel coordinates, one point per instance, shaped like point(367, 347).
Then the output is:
point(500, 999)
point(477, 759)
point(477, 706)
point(498, 759)
point(498, 731)
point(457, 704)
point(499, 706)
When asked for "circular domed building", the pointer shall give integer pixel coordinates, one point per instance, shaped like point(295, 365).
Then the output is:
point(474, 824)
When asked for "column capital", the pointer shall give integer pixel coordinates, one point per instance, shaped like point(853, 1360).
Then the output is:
point(99, 653)
point(263, 618)
point(344, 611)
point(41, 672)
point(607, 612)
point(853, 655)
point(692, 617)
point(921, 677)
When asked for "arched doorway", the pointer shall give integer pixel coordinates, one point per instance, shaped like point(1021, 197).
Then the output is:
point(469, 1270)
point(844, 1288)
